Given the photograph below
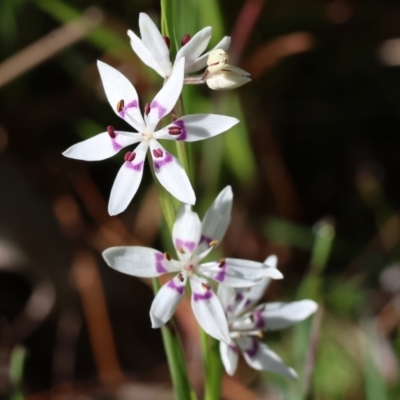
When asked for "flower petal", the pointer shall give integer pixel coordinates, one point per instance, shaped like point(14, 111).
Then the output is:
point(142, 262)
point(166, 301)
point(127, 181)
point(101, 146)
point(230, 357)
point(186, 231)
point(247, 298)
point(201, 62)
point(216, 221)
point(259, 356)
point(208, 310)
point(226, 296)
point(281, 315)
point(197, 127)
point(171, 174)
point(144, 54)
point(195, 47)
point(153, 40)
point(238, 273)
point(121, 95)
point(166, 98)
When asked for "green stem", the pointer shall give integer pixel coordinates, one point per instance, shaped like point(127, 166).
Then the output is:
point(175, 356)
point(213, 367)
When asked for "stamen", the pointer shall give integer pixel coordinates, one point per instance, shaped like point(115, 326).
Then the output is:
point(205, 286)
point(213, 243)
point(147, 108)
point(185, 39)
point(158, 153)
point(129, 156)
point(167, 41)
point(111, 131)
point(167, 256)
point(260, 334)
point(221, 263)
point(174, 130)
point(120, 105)
point(180, 249)
point(180, 277)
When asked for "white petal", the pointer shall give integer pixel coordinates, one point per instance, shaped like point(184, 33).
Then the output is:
point(238, 273)
point(187, 229)
point(101, 146)
point(226, 296)
point(127, 181)
point(195, 47)
point(198, 127)
point(117, 87)
point(208, 310)
point(154, 42)
point(144, 54)
point(229, 356)
point(142, 262)
point(217, 219)
point(166, 98)
point(236, 70)
point(171, 174)
point(246, 299)
point(166, 301)
point(201, 62)
point(281, 315)
point(259, 356)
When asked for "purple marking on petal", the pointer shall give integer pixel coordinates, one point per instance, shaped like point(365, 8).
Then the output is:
point(136, 167)
point(116, 146)
point(183, 135)
point(180, 289)
point(220, 277)
point(229, 309)
point(122, 113)
point(189, 245)
point(160, 263)
point(132, 104)
point(239, 296)
point(161, 110)
point(253, 350)
point(258, 319)
point(205, 239)
point(247, 302)
point(233, 348)
point(166, 160)
point(200, 296)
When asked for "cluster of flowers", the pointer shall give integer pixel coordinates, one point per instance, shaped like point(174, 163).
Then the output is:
point(231, 315)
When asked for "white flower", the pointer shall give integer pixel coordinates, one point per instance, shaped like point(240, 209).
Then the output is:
point(222, 76)
point(193, 240)
point(123, 99)
point(154, 52)
point(247, 322)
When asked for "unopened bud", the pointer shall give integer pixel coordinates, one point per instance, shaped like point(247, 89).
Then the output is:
point(217, 60)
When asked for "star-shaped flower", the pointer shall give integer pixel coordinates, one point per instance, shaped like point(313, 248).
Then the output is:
point(247, 322)
point(193, 240)
point(124, 100)
point(154, 52)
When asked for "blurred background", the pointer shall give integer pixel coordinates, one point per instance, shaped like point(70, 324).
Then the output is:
point(315, 169)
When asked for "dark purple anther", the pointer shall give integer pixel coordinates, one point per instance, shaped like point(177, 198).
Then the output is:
point(147, 108)
point(129, 156)
point(185, 39)
point(167, 41)
point(158, 153)
point(174, 130)
point(120, 105)
point(111, 131)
